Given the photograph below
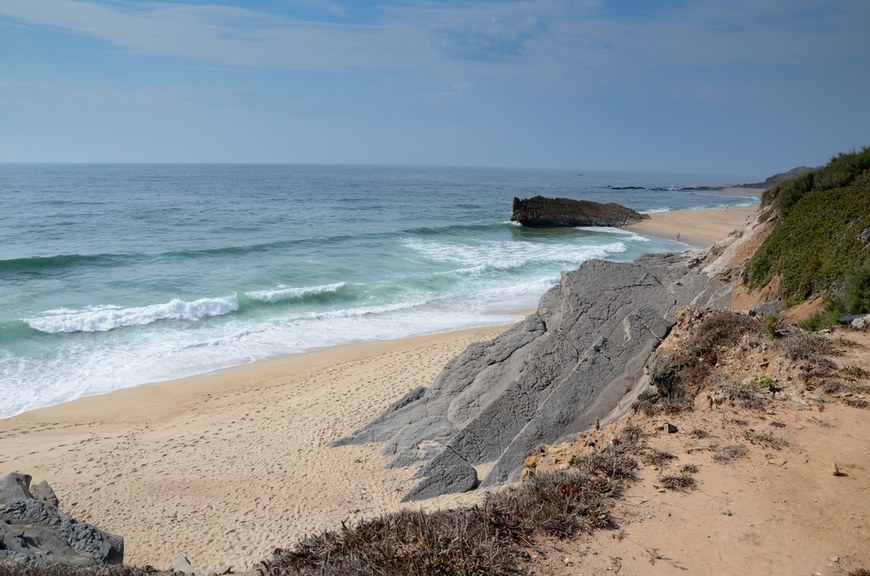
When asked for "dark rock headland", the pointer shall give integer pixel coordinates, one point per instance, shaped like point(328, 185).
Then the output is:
point(33, 530)
point(540, 212)
point(546, 378)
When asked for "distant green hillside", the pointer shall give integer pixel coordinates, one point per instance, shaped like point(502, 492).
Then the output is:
point(821, 242)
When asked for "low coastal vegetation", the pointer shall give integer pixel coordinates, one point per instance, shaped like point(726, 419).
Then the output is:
point(820, 245)
point(679, 374)
point(491, 539)
point(713, 349)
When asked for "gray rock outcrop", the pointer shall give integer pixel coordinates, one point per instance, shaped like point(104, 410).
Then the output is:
point(34, 530)
point(545, 379)
point(541, 212)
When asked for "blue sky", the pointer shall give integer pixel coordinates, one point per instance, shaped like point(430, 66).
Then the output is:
point(748, 87)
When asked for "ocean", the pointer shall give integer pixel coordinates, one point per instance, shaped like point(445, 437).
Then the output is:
point(118, 275)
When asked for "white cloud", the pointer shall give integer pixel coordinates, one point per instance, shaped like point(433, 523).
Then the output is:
point(540, 44)
point(218, 34)
point(338, 10)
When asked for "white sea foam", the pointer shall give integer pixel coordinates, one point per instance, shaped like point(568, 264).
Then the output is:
point(505, 255)
point(155, 355)
point(282, 292)
point(628, 234)
point(109, 317)
point(366, 310)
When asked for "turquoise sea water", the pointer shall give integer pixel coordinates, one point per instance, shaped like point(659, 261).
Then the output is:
point(118, 275)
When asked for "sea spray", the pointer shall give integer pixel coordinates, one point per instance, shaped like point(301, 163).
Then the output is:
point(109, 317)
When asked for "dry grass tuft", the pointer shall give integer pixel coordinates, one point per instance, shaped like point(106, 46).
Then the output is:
point(808, 346)
point(765, 439)
point(466, 541)
point(486, 539)
point(680, 374)
point(657, 458)
point(855, 372)
point(856, 403)
point(632, 438)
point(747, 396)
point(730, 453)
point(679, 482)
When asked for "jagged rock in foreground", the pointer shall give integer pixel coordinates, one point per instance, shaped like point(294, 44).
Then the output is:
point(34, 530)
point(546, 378)
point(540, 212)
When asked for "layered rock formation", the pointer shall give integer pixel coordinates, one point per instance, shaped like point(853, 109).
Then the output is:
point(546, 378)
point(540, 212)
point(34, 530)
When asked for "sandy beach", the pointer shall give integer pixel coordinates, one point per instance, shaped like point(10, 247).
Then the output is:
point(698, 228)
point(226, 467)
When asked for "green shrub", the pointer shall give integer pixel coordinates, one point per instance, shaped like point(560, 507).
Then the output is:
point(820, 237)
point(771, 323)
point(767, 383)
point(854, 299)
point(842, 170)
point(815, 248)
point(787, 194)
point(856, 296)
point(820, 320)
point(845, 169)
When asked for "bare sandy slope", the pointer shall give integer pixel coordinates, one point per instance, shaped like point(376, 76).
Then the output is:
point(780, 509)
point(226, 467)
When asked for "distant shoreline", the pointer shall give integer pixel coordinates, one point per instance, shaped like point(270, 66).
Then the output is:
point(731, 191)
